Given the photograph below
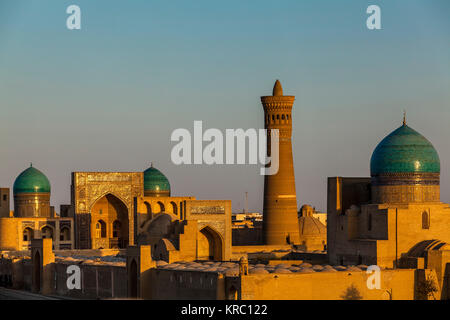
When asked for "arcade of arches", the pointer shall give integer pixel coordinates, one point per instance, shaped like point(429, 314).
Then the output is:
point(148, 207)
point(187, 230)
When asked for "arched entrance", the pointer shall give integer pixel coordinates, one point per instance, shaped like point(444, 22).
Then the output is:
point(64, 234)
point(132, 280)
point(47, 232)
point(109, 218)
point(174, 208)
point(232, 293)
point(37, 272)
point(161, 207)
point(28, 234)
point(100, 229)
point(148, 208)
point(209, 245)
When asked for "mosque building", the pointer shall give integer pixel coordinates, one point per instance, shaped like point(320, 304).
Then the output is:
point(115, 209)
point(33, 217)
point(395, 217)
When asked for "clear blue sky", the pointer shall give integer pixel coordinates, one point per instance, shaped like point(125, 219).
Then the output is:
point(108, 96)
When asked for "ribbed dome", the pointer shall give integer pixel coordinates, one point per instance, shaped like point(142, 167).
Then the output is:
point(404, 151)
point(31, 181)
point(155, 181)
point(309, 226)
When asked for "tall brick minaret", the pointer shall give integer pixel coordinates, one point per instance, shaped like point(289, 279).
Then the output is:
point(280, 224)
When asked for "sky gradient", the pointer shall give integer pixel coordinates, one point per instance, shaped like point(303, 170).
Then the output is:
point(107, 97)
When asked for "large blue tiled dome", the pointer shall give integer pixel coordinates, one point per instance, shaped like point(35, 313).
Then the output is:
point(404, 151)
point(155, 182)
point(31, 181)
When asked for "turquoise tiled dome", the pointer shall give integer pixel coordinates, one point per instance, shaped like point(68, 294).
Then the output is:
point(155, 181)
point(31, 181)
point(404, 151)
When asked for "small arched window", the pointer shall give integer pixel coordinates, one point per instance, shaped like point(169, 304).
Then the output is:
point(28, 234)
point(174, 208)
point(161, 207)
point(100, 229)
point(64, 234)
point(47, 232)
point(425, 220)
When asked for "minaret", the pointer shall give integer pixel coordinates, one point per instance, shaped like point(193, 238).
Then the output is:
point(280, 224)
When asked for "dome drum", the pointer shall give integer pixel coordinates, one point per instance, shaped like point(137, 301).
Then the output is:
point(405, 193)
point(155, 193)
point(394, 179)
point(32, 205)
point(32, 194)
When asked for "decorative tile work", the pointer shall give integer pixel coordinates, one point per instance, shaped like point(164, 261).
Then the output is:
point(404, 150)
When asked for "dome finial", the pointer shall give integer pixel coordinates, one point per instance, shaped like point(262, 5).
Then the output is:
point(31, 164)
point(151, 164)
point(277, 89)
point(404, 117)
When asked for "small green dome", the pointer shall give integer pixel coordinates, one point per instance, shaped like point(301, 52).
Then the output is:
point(31, 181)
point(404, 151)
point(155, 181)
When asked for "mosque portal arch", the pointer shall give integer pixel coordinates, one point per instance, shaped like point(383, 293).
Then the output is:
point(209, 244)
point(90, 188)
point(110, 223)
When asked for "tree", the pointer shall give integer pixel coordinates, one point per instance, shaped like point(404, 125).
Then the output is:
point(427, 288)
point(352, 293)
